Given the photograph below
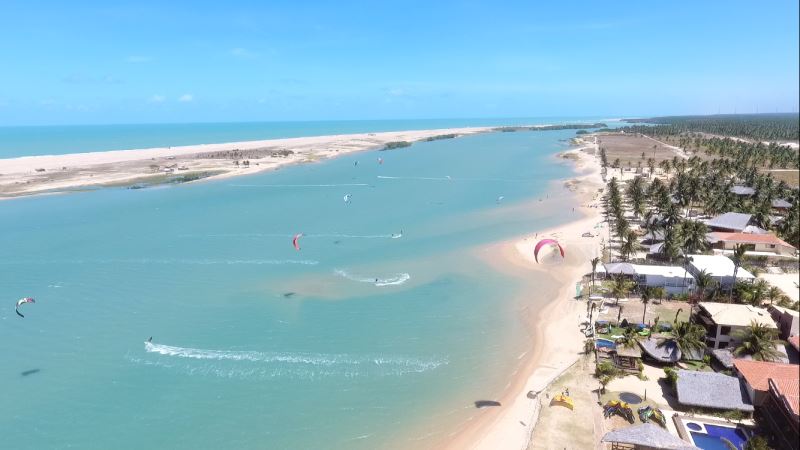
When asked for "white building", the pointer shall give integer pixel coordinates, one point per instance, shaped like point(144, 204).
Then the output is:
point(722, 320)
point(720, 268)
point(675, 280)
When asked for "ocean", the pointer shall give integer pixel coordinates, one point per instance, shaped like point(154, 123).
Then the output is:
point(381, 331)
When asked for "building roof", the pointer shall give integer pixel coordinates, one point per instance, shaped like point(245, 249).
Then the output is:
point(757, 373)
point(712, 390)
point(752, 229)
point(630, 352)
point(730, 221)
point(732, 314)
point(648, 435)
point(749, 238)
point(788, 393)
point(718, 266)
point(724, 356)
point(783, 310)
point(619, 268)
point(667, 353)
point(664, 271)
point(625, 268)
point(781, 203)
point(742, 190)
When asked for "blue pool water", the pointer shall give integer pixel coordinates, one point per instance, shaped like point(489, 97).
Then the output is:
point(713, 440)
point(604, 343)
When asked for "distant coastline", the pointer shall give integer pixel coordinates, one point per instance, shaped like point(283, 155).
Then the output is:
point(140, 168)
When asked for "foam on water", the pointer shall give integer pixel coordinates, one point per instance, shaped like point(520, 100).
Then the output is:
point(377, 281)
point(298, 185)
point(257, 364)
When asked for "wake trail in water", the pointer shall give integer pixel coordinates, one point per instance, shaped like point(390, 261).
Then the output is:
point(377, 281)
point(290, 235)
point(257, 364)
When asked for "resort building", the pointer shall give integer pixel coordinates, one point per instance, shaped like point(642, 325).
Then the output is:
point(780, 205)
point(720, 268)
point(788, 320)
point(730, 221)
point(674, 279)
point(712, 390)
point(767, 245)
point(645, 437)
point(780, 413)
point(756, 374)
point(723, 320)
point(744, 191)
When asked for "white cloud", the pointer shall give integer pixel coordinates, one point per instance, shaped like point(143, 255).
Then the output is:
point(156, 98)
point(243, 53)
point(186, 98)
point(136, 59)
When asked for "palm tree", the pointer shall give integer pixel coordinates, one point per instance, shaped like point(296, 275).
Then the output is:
point(758, 341)
point(737, 257)
point(773, 293)
point(677, 313)
point(595, 261)
point(693, 234)
point(687, 337)
point(646, 294)
point(629, 245)
point(629, 338)
point(704, 281)
point(754, 293)
point(620, 287)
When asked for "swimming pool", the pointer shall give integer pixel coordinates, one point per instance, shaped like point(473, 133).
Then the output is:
point(604, 343)
point(710, 437)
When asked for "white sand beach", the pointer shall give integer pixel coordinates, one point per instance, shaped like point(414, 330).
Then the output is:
point(555, 337)
point(51, 173)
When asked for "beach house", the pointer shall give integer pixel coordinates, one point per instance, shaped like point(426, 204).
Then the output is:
point(788, 320)
point(674, 279)
point(767, 245)
point(723, 320)
point(730, 221)
point(720, 268)
point(712, 390)
point(756, 374)
point(780, 412)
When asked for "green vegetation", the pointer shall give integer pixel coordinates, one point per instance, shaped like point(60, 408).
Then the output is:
point(759, 342)
point(671, 376)
point(756, 443)
point(395, 145)
point(439, 137)
point(687, 337)
point(761, 127)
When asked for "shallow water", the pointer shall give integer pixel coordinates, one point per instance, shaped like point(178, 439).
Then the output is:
point(256, 344)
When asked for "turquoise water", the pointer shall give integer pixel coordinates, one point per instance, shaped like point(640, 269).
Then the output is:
point(255, 344)
point(52, 140)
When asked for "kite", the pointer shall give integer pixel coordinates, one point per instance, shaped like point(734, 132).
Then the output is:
point(21, 302)
point(295, 242)
point(544, 242)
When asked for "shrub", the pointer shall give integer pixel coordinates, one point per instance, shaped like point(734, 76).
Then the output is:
point(671, 375)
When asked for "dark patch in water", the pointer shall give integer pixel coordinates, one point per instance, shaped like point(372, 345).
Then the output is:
point(25, 373)
point(288, 294)
point(486, 403)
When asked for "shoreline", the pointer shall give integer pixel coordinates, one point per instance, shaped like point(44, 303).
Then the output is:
point(50, 174)
point(512, 425)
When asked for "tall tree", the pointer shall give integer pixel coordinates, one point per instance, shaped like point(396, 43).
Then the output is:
point(759, 342)
point(688, 337)
point(595, 262)
point(737, 258)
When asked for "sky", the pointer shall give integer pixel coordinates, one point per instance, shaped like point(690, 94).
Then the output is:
point(86, 62)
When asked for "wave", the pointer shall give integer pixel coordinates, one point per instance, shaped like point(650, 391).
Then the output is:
point(446, 178)
point(169, 261)
point(250, 364)
point(299, 185)
point(390, 281)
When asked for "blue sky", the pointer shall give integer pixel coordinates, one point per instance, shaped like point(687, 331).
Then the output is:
point(133, 62)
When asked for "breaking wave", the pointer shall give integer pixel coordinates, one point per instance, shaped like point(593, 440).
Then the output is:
point(377, 281)
point(256, 364)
